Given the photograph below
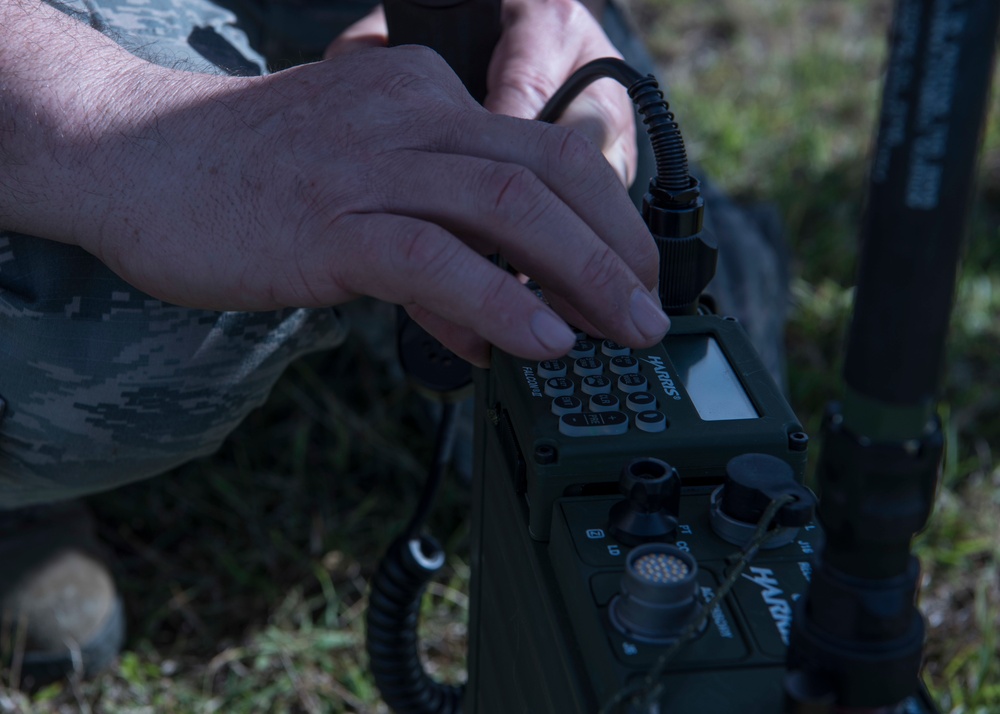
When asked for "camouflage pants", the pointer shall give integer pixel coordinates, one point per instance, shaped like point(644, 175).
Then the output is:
point(103, 384)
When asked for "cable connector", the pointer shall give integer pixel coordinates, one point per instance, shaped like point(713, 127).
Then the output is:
point(674, 213)
point(673, 207)
point(688, 253)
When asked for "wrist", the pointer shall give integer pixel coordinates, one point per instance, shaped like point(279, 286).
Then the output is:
point(136, 139)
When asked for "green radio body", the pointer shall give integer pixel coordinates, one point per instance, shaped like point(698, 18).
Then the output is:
point(545, 564)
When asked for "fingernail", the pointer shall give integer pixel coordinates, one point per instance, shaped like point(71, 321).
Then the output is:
point(553, 333)
point(648, 315)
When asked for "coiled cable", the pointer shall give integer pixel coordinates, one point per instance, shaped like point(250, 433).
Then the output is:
point(394, 596)
point(393, 613)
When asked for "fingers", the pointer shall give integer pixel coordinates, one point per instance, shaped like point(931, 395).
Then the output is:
point(605, 115)
point(570, 168)
point(505, 208)
point(535, 54)
point(542, 45)
point(414, 263)
point(407, 216)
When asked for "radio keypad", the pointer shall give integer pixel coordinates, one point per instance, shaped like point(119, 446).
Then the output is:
point(559, 387)
point(593, 424)
point(566, 405)
point(613, 349)
point(604, 403)
point(640, 401)
point(596, 385)
point(630, 383)
point(607, 402)
point(551, 368)
point(582, 348)
point(624, 364)
point(651, 421)
point(588, 367)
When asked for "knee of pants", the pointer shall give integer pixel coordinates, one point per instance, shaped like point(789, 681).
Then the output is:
point(91, 405)
point(63, 447)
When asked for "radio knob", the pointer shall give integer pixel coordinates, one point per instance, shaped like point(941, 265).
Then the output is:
point(652, 491)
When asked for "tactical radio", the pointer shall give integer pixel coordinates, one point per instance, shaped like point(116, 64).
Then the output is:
point(641, 538)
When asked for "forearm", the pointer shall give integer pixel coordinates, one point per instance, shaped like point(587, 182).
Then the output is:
point(68, 95)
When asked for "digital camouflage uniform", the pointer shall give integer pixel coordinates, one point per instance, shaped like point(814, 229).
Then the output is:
point(104, 385)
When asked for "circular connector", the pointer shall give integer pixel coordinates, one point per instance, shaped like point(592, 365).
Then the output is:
point(740, 533)
point(661, 568)
point(659, 594)
point(752, 482)
point(652, 491)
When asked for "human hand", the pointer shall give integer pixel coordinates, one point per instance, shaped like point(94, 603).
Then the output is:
point(542, 44)
point(372, 173)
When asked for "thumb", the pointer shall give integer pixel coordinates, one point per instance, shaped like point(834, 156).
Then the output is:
point(521, 83)
point(369, 31)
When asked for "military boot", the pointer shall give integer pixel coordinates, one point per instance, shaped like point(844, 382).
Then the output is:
point(60, 613)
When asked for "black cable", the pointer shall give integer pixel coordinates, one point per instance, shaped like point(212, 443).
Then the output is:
point(668, 144)
point(394, 601)
point(443, 444)
point(391, 623)
point(664, 134)
point(609, 67)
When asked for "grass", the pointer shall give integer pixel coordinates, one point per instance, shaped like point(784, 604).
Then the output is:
point(245, 574)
